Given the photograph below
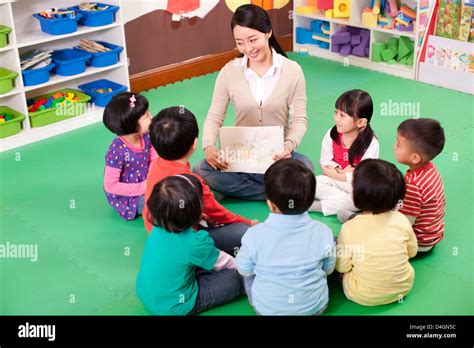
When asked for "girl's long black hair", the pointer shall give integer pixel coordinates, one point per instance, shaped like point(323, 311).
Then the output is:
point(254, 17)
point(357, 104)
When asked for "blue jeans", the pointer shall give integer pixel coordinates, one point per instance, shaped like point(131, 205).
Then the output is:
point(140, 204)
point(242, 185)
point(216, 288)
point(228, 238)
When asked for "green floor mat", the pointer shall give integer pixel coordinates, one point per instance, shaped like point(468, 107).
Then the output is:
point(51, 195)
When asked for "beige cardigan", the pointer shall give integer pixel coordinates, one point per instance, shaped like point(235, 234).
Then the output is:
point(285, 107)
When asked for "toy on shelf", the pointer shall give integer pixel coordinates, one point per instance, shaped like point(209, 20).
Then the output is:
point(6, 116)
point(405, 19)
point(342, 8)
point(92, 46)
point(52, 102)
point(102, 90)
point(10, 121)
point(35, 59)
point(58, 21)
point(54, 13)
point(92, 6)
point(386, 13)
point(318, 34)
point(396, 50)
point(325, 5)
point(351, 40)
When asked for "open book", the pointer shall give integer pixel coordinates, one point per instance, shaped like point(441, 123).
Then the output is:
point(250, 149)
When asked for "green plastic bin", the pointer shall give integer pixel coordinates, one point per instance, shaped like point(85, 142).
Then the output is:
point(4, 31)
point(6, 80)
point(59, 113)
point(11, 127)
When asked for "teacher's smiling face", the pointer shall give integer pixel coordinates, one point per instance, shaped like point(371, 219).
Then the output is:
point(253, 43)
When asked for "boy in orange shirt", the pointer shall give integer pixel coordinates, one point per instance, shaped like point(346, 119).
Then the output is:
point(174, 135)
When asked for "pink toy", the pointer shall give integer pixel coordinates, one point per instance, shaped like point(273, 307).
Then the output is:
point(391, 8)
point(326, 4)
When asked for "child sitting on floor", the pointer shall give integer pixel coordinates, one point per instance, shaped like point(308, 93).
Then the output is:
point(174, 135)
point(344, 146)
point(175, 275)
point(374, 248)
point(286, 259)
point(418, 142)
point(130, 154)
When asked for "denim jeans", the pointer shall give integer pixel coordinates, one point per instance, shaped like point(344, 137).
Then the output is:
point(242, 185)
point(227, 238)
point(140, 204)
point(216, 288)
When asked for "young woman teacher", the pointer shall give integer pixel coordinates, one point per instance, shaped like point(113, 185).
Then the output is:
point(266, 89)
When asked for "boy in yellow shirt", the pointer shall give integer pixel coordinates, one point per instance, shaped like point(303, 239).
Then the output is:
point(374, 248)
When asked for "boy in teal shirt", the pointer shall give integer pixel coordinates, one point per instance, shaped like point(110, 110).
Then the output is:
point(182, 272)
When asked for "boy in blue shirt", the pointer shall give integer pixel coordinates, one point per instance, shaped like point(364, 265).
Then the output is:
point(286, 259)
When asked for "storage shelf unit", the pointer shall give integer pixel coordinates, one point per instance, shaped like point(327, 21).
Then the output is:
point(27, 35)
point(377, 34)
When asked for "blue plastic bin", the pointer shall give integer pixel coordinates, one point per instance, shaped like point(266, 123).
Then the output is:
point(69, 62)
point(97, 18)
point(58, 26)
point(102, 99)
point(102, 59)
point(36, 76)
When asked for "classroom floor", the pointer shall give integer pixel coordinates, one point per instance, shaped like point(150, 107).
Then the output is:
point(51, 195)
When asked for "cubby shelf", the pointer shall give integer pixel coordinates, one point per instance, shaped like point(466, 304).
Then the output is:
point(26, 35)
point(377, 34)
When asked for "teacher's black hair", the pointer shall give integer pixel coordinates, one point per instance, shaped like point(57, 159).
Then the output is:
point(254, 17)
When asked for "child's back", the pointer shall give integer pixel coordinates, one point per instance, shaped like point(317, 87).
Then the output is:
point(285, 260)
point(174, 256)
point(373, 252)
point(291, 260)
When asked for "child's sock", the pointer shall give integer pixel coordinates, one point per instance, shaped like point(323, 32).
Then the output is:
point(316, 206)
point(345, 215)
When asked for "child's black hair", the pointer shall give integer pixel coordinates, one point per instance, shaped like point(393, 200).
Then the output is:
point(290, 185)
point(172, 132)
point(357, 104)
point(255, 17)
point(175, 203)
point(378, 186)
point(425, 135)
point(121, 118)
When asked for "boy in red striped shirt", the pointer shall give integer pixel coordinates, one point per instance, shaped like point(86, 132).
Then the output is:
point(418, 142)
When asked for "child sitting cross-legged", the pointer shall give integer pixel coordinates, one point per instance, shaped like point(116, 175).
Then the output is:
point(286, 259)
point(374, 247)
point(419, 141)
point(182, 272)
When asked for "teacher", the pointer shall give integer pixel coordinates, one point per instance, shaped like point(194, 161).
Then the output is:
point(266, 89)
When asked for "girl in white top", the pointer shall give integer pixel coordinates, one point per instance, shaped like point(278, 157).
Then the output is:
point(344, 146)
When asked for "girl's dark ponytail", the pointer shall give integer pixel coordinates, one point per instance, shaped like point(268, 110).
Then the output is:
point(361, 144)
point(358, 104)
